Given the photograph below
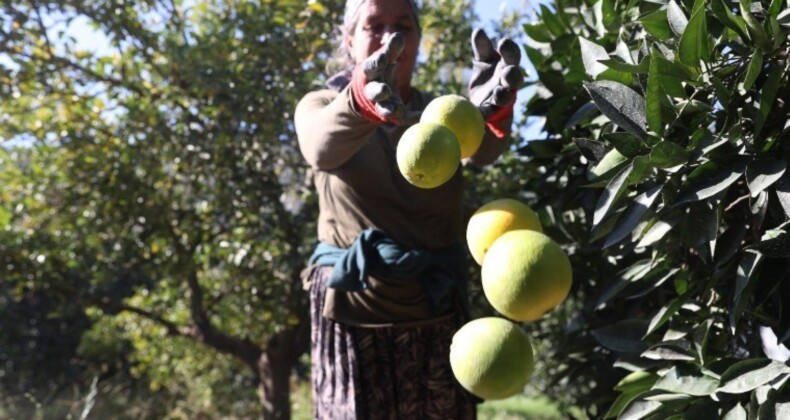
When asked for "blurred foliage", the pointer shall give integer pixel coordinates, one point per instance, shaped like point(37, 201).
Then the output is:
point(155, 213)
point(158, 214)
point(680, 251)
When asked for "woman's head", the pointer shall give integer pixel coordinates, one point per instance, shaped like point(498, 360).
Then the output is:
point(367, 22)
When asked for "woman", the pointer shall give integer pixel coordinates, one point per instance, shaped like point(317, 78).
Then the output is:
point(386, 282)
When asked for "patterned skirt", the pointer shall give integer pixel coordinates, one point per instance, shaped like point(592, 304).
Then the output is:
point(383, 373)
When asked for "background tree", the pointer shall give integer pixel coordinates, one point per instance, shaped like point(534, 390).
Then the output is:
point(155, 212)
point(162, 184)
point(664, 170)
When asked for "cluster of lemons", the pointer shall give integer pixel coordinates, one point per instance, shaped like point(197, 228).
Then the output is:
point(525, 274)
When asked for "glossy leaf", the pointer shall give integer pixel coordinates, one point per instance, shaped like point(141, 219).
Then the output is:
point(709, 179)
point(633, 216)
point(684, 379)
point(667, 155)
point(653, 98)
point(694, 46)
point(626, 143)
point(747, 375)
point(623, 336)
point(657, 24)
point(676, 18)
point(621, 104)
point(753, 70)
point(634, 171)
point(761, 174)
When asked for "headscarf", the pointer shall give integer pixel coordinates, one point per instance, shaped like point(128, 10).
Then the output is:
point(339, 80)
point(353, 6)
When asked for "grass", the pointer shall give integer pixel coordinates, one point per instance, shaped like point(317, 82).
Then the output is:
point(519, 407)
point(514, 408)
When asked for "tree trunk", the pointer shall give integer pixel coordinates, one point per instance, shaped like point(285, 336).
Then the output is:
point(275, 366)
point(274, 388)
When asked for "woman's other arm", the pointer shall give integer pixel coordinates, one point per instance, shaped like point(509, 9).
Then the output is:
point(329, 128)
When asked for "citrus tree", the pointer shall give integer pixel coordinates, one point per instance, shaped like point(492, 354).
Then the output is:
point(664, 172)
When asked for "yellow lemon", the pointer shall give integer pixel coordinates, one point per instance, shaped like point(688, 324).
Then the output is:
point(428, 154)
point(525, 275)
point(493, 219)
point(461, 117)
point(492, 358)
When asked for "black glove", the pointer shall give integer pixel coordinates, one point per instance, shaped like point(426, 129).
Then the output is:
point(374, 84)
point(496, 78)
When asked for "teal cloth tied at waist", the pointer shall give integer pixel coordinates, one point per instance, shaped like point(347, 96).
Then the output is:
point(375, 254)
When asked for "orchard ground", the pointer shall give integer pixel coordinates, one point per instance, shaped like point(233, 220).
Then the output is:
point(514, 408)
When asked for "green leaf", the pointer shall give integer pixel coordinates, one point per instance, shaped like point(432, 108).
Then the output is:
point(627, 144)
point(592, 53)
point(709, 179)
point(611, 194)
point(656, 24)
point(630, 388)
point(761, 174)
point(538, 31)
point(701, 224)
point(782, 190)
point(701, 339)
point(5, 217)
point(621, 104)
point(667, 154)
point(583, 112)
point(672, 75)
point(633, 216)
point(676, 18)
point(659, 230)
point(684, 379)
point(776, 405)
point(632, 274)
point(592, 150)
point(736, 413)
point(653, 98)
point(775, 8)
point(694, 45)
point(663, 315)
point(768, 94)
point(639, 409)
point(609, 12)
point(777, 247)
point(623, 336)
point(632, 173)
point(616, 76)
point(743, 277)
point(754, 27)
point(641, 380)
point(552, 21)
point(754, 69)
point(728, 19)
point(615, 64)
point(749, 374)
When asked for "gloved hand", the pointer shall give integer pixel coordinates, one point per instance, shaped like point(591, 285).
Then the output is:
point(496, 78)
point(374, 84)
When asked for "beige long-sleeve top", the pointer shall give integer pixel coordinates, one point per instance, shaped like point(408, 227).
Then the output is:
point(359, 186)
